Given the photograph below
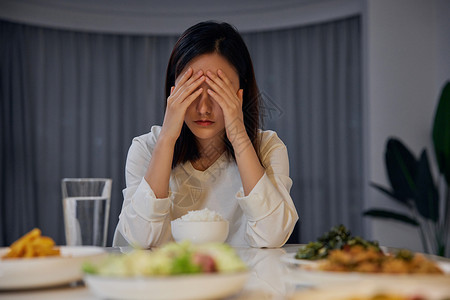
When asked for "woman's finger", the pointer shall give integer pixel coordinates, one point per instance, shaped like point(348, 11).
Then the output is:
point(184, 91)
point(216, 97)
point(219, 86)
point(180, 86)
point(225, 78)
point(241, 95)
point(190, 88)
point(217, 89)
point(189, 99)
point(184, 77)
point(214, 81)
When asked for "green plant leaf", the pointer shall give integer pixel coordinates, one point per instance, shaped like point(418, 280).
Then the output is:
point(427, 199)
point(384, 214)
point(401, 166)
point(441, 133)
point(391, 194)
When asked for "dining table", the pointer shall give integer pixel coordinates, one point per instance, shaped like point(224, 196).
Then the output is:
point(274, 273)
point(268, 279)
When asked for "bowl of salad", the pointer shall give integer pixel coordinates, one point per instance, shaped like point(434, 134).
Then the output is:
point(174, 271)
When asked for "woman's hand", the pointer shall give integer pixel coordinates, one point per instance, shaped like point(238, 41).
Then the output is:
point(181, 96)
point(223, 92)
point(230, 100)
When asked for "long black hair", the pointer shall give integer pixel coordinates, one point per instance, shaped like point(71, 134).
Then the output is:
point(221, 38)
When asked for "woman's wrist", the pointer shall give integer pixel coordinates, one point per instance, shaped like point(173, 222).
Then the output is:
point(158, 171)
point(241, 143)
point(238, 137)
point(166, 140)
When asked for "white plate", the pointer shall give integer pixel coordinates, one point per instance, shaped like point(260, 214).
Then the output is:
point(181, 287)
point(21, 273)
point(429, 290)
point(308, 275)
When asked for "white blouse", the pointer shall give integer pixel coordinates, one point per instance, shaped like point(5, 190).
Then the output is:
point(264, 218)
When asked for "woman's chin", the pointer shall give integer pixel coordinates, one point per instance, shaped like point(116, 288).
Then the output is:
point(205, 134)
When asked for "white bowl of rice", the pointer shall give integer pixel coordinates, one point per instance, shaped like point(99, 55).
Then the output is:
point(200, 226)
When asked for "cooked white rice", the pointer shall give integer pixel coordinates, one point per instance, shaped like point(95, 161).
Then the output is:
point(201, 215)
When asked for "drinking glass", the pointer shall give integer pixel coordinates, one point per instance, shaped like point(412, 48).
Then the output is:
point(86, 204)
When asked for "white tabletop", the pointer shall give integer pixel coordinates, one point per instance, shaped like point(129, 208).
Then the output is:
point(270, 279)
point(267, 279)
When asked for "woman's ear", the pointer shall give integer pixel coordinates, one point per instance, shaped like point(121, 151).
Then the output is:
point(241, 94)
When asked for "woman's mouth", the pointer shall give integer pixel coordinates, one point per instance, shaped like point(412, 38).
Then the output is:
point(204, 122)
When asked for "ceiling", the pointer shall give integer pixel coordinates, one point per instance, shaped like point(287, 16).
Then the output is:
point(174, 16)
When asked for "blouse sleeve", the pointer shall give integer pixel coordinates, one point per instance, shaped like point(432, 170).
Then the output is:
point(144, 220)
point(269, 208)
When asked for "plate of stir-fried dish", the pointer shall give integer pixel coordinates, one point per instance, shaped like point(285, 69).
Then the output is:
point(339, 257)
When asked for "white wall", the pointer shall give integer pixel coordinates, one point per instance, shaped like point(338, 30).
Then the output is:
point(406, 48)
point(443, 42)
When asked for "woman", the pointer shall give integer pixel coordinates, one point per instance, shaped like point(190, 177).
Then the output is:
point(209, 152)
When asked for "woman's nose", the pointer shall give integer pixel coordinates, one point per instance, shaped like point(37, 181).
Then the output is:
point(204, 104)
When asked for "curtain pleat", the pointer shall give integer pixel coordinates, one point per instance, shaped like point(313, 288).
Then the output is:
point(71, 102)
point(18, 206)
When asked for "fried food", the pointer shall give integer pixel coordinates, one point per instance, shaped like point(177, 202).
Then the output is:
point(32, 244)
point(360, 259)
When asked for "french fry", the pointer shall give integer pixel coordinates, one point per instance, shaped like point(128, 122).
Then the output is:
point(43, 242)
point(28, 250)
point(32, 244)
point(17, 249)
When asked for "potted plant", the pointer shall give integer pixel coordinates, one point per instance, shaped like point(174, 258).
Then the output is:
point(413, 185)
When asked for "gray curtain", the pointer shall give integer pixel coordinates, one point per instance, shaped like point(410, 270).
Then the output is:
point(310, 78)
point(72, 101)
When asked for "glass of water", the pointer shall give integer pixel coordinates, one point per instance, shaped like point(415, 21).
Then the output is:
point(86, 204)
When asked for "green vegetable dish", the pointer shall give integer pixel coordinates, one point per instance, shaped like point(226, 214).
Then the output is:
point(338, 237)
point(171, 259)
